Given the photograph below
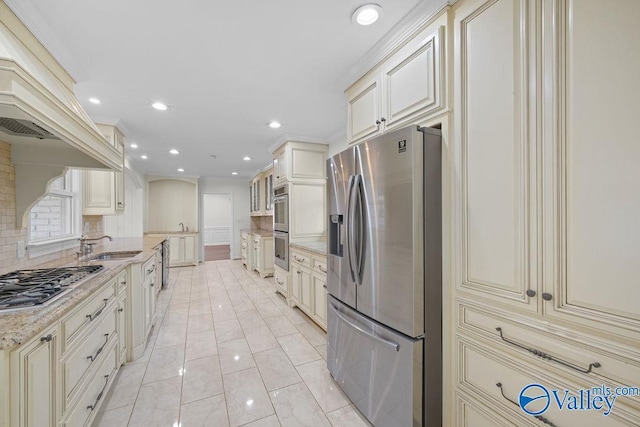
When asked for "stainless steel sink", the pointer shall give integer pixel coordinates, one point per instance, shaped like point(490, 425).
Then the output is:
point(105, 256)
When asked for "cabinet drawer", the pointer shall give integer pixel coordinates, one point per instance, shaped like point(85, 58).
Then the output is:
point(81, 318)
point(471, 413)
point(499, 378)
point(281, 279)
point(301, 258)
point(148, 268)
point(319, 264)
point(94, 392)
point(616, 364)
point(88, 353)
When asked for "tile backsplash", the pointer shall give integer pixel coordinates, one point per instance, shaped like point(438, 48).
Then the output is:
point(262, 223)
point(10, 235)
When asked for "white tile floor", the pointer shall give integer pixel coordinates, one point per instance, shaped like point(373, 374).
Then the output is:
point(228, 351)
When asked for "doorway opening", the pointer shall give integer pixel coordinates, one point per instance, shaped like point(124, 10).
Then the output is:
point(217, 226)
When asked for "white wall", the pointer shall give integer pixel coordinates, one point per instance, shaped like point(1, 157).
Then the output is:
point(216, 210)
point(239, 190)
point(129, 223)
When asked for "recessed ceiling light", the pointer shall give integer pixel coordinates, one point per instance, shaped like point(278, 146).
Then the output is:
point(133, 145)
point(246, 158)
point(366, 14)
point(180, 170)
point(94, 100)
point(274, 125)
point(174, 151)
point(143, 157)
point(234, 173)
point(159, 106)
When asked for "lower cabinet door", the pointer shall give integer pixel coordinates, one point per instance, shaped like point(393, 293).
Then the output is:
point(305, 290)
point(296, 279)
point(35, 395)
point(122, 330)
point(379, 369)
point(190, 249)
point(319, 308)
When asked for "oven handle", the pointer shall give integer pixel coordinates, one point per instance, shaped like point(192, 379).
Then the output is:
point(394, 345)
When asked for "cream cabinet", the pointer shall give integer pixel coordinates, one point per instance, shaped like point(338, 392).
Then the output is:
point(308, 288)
point(404, 89)
point(281, 280)
point(246, 250)
point(261, 193)
point(263, 254)
point(545, 233)
point(144, 280)
point(183, 250)
point(103, 191)
point(33, 381)
point(299, 161)
point(255, 192)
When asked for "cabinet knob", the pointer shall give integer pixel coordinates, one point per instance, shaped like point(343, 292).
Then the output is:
point(377, 122)
point(531, 293)
point(121, 310)
point(299, 272)
point(47, 338)
point(324, 286)
point(547, 296)
point(383, 119)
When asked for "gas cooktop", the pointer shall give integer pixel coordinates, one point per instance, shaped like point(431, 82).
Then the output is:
point(28, 288)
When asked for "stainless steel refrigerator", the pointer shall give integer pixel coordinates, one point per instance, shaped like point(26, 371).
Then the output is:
point(385, 277)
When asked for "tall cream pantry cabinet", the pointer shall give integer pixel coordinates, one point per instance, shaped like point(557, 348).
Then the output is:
point(545, 207)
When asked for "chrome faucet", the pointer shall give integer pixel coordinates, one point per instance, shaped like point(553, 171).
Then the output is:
point(87, 248)
point(182, 225)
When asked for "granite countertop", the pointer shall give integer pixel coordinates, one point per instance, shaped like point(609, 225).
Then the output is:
point(17, 327)
point(258, 232)
point(171, 232)
point(319, 248)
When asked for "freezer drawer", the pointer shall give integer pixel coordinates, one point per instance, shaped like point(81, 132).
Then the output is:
point(379, 369)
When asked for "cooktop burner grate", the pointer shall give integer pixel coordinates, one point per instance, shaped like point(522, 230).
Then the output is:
point(27, 288)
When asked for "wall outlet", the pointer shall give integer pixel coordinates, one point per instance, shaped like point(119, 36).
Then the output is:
point(86, 227)
point(21, 249)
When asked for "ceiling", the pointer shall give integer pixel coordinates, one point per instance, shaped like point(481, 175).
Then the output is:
point(225, 68)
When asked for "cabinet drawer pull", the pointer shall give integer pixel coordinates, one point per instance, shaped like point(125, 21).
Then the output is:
point(106, 381)
point(539, 417)
point(547, 296)
point(47, 338)
point(150, 270)
point(121, 310)
point(299, 272)
point(321, 268)
point(298, 259)
point(95, 356)
point(549, 357)
point(531, 293)
point(99, 312)
point(279, 282)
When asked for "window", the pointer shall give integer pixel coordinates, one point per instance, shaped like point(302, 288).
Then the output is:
point(56, 216)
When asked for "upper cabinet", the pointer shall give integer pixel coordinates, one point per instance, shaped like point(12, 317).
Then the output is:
point(104, 190)
point(299, 161)
point(261, 193)
point(404, 88)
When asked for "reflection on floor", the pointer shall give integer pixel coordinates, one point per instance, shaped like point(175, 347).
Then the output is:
point(228, 351)
point(217, 252)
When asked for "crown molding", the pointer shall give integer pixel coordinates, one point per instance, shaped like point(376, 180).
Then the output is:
point(287, 137)
point(413, 21)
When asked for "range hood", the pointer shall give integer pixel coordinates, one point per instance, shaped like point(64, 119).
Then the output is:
point(40, 117)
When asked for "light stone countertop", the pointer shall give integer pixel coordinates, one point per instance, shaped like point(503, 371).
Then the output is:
point(258, 232)
point(319, 248)
point(19, 326)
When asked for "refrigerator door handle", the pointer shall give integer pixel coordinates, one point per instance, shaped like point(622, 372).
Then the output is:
point(392, 344)
point(359, 227)
point(350, 232)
